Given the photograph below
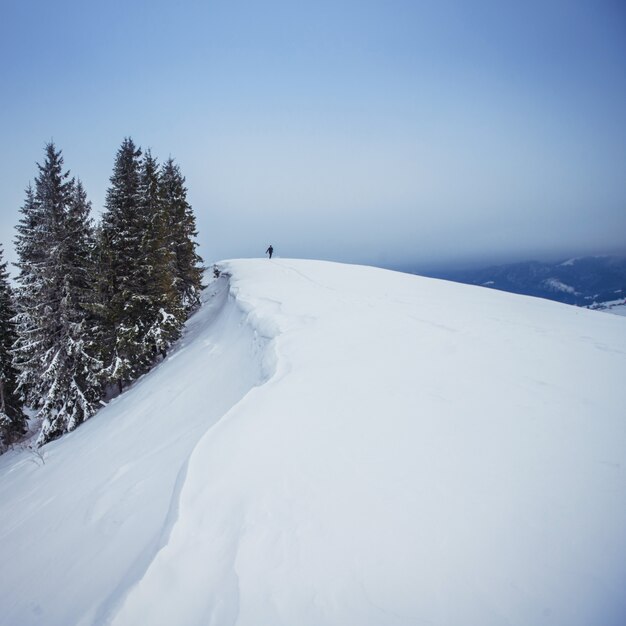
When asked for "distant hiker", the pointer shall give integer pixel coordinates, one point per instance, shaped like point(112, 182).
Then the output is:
point(270, 251)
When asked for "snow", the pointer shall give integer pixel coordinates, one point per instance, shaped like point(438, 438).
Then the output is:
point(556, 285)
point(617, 307)
point(333, 444)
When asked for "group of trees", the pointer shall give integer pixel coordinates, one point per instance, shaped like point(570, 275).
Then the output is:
point(96, 305)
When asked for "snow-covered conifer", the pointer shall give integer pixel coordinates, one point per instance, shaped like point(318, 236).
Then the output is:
point(164, 314)
point(31, 255)
point(122, 271)
point(40, 233)
point(141, 307)
point(71, 371)
point(12, 419)
point(56, 367)
point(182, 235)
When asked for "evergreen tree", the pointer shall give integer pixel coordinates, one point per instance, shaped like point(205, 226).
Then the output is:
point(40, 233)
point(31, 255)
point(142, 301)
point(57, 371)
point(164, 314)
point(72, 373)
point(97, 306)
point(122, 276)
point(12, 419)
point(182, 234)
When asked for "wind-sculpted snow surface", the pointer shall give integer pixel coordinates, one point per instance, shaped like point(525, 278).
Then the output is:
point(362, 447)
point(80, 524)
point(424, 453)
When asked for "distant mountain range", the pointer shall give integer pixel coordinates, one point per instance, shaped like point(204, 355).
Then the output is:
point(581, 281)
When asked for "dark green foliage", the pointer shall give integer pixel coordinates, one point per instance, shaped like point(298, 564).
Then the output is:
point(12, 419)
point(58, 372)
point(96, 307)
point(31, 255)
point(72, 376)
point(120, 281)
point(182, 234)
point(142, 300)
point(164, 313)
point(40, 233)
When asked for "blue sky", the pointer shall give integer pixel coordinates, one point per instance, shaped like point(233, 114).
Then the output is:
point(387, 132)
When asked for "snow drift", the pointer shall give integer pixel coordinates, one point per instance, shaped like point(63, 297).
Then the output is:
point(335, 445)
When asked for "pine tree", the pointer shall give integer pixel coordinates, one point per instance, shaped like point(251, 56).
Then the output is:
point(122, 275)
point(142, 301)
point(182, 234)
point(57, 371)
point(12, 419)
point(31, 254)
point(164, 314)
point(72, 372)
point(40, 233)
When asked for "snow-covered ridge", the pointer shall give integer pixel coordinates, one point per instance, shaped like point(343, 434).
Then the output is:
point(363, 447)
point(617, 307)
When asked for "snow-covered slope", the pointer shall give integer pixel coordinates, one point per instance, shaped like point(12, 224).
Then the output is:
point(337, 445)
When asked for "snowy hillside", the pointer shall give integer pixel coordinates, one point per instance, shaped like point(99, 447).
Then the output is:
point(338, 445)
point(616, 307)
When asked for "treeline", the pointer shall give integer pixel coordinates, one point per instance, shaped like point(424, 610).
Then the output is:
point(96, 305)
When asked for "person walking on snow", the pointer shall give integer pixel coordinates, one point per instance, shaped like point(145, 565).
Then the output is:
point(270, 251)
